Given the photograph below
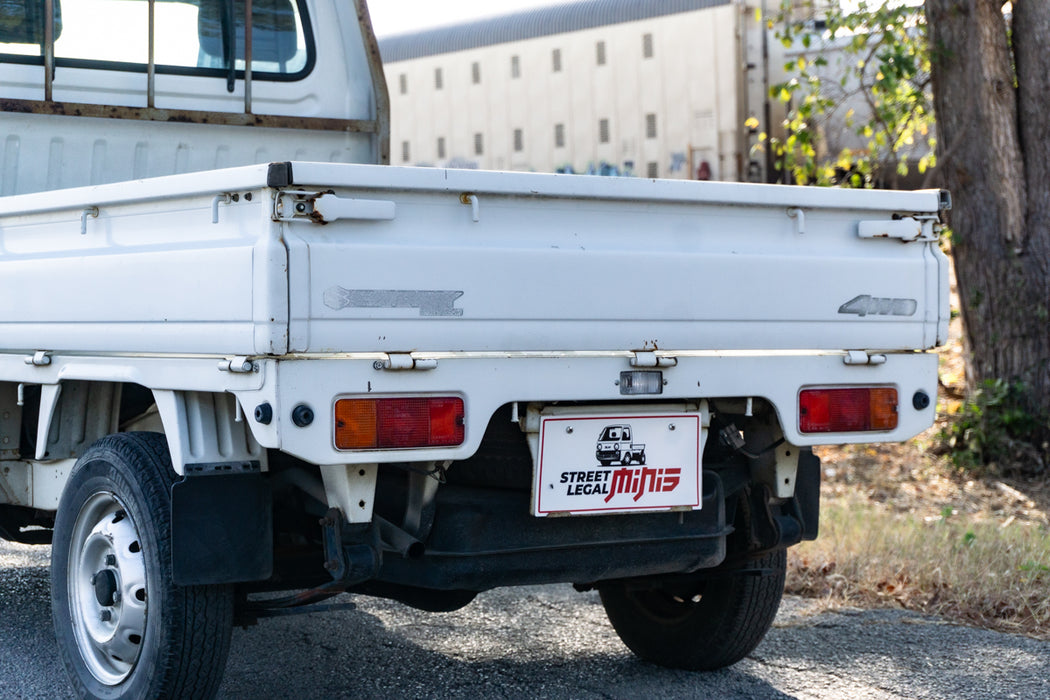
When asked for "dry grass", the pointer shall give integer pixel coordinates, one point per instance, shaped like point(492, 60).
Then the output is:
point(902, 526)
point(962, 566)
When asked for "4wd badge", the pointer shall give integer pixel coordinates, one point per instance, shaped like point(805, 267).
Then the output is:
point(599, 464)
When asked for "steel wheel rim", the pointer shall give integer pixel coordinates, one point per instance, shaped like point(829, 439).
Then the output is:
point(106, 588)
point(666, 607)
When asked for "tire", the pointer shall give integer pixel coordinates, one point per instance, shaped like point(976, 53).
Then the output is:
point(605, 462)
point(124, 630)
point(626, 459)
point(641, 458)
point(721, 624)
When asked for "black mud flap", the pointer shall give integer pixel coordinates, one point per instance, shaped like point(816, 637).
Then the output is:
point(221, 528)
point(807, 493)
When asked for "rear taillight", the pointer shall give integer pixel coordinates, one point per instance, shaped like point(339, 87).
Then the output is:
point(853, 410)
point(397, 423)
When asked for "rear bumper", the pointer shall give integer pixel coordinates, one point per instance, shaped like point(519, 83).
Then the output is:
point(488, 381)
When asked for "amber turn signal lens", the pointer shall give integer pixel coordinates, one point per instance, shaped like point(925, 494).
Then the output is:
point(355, 425)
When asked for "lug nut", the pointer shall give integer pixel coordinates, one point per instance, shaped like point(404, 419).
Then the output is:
point(105, 616)
point(111, 560)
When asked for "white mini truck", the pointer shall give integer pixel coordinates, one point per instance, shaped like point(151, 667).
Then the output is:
point(229, 392)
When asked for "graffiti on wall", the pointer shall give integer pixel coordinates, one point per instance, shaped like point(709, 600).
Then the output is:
point(602, 169)
point(458, 163)
point(678, 162)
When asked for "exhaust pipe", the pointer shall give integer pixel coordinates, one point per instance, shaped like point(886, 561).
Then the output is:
point(397, 540)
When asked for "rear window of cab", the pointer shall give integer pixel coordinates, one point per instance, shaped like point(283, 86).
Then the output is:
point(191, 37)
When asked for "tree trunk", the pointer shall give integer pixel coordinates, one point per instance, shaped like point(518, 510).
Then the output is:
point(998, 176)
point(1031, 37)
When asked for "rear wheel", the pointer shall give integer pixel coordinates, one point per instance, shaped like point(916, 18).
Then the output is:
point(701, 626)
point(124, 630)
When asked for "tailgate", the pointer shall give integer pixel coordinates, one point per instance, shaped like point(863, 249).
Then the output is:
point(464, 261)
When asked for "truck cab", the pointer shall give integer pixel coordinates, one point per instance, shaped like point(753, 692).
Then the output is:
point(123, 90)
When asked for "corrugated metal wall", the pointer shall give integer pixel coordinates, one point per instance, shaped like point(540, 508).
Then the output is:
point(547, 21)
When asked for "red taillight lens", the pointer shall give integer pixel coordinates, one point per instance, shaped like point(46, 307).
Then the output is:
point(859, 409)
point(396, 423)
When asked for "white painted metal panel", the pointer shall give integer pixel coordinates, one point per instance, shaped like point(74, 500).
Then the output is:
point(149, 274)
point(572, 263)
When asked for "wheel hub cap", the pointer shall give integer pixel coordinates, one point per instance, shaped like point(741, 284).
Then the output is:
point(107, 589)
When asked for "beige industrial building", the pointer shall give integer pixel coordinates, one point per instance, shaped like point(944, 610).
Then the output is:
point(646, 88)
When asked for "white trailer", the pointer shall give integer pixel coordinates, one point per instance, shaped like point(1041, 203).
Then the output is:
point(306, 378)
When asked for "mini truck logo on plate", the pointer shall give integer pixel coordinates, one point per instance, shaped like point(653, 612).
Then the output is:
point(611, 474)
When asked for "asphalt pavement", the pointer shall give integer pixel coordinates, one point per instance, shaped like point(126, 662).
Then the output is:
point(550, 642)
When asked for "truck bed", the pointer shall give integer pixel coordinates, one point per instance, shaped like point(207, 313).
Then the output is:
point(442, 261)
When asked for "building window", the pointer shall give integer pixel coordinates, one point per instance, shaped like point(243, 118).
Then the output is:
point(475, 72)
point(519, 140)
point(479, 145)
point(601, 53)
point(647, 46)
point(439, 81)
point(556, 60)
point(559, 136)
point(653, 170)
point(650, 126)
point(515, 67)
point(441, 147)
point(403, 81)
point(405, 152)
point(603, 131)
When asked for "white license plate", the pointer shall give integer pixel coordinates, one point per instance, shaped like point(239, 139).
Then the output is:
point(592, 464)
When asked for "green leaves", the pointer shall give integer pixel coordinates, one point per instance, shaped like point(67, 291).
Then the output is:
point(867, 70)
point(990, 427)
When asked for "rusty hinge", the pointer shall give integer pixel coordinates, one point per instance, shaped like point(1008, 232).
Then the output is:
point(237, 365)
point(643, 358)
point(861, 357)
point(404, 362)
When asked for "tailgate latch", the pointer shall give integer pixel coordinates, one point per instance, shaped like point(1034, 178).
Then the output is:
point(326, 207)
point(906, 229)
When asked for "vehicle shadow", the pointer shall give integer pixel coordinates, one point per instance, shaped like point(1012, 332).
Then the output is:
point(546, 642)
point(542, 641)
point(537, 642)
